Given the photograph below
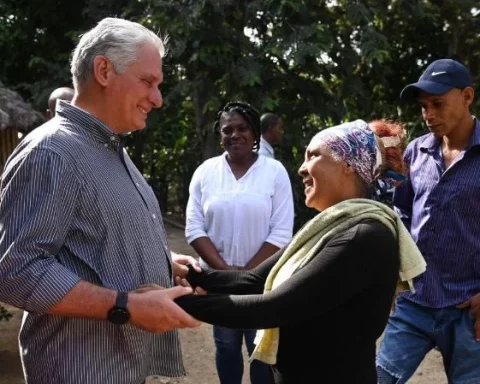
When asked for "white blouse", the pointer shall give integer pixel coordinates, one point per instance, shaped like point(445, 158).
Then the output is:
point(240, 215)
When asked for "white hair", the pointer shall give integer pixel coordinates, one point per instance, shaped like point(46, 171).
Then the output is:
point(116, 39)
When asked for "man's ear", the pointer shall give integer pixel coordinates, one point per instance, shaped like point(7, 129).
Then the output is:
point(102, 68)
point(468, 96)
point(48, 114)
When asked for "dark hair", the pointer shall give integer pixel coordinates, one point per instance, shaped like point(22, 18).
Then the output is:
point(248, 112)
point(268, 120)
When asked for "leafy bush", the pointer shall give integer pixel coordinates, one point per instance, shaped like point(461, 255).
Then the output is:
point(4, 314)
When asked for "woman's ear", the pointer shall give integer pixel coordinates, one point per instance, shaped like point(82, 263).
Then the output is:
point(347, 168)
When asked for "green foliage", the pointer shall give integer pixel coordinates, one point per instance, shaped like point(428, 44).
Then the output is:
point(4, 314)
point(316, 63)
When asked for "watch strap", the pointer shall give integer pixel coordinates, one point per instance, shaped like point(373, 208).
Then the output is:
point(122, 298)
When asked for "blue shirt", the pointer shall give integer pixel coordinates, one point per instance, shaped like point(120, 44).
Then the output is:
point(74, 207)
point(441, 207)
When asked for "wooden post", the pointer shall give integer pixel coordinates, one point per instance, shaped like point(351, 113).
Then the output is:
point(8, 142)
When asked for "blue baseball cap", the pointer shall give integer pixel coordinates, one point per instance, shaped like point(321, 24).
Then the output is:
point(440, 77)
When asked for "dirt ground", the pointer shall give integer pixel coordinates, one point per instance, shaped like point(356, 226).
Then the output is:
point(197, 346)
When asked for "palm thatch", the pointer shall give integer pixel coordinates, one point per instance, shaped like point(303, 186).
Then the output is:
point(16, 113)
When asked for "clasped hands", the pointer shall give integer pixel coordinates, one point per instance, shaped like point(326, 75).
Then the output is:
point(153, 307)
point(180, 271)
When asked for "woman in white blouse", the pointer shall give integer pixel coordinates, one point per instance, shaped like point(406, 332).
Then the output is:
point(240, 212)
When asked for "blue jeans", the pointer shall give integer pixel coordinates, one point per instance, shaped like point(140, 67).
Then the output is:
point(229, 357)
point(413, 330)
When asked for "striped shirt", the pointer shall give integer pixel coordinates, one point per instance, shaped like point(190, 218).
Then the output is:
point(442, 209)
point(74, 207)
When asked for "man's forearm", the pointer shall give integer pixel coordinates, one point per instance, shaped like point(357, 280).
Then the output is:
point(151, 308)
point(86, 300)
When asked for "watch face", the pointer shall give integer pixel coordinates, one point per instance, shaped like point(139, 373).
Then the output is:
point(118, 316)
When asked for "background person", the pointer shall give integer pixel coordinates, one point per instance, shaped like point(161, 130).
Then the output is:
point(272, 133)
point(439, 205)
point(62, 93)
point(239, 213)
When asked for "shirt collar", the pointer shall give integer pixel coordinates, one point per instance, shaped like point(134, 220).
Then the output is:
point(89, 124)
point(475, 139)
point(266, 145)
point(431, 143)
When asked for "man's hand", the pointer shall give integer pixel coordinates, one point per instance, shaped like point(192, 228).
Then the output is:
point(474, 304)
point(148, 287)
point(152, 308)
point(186, 259)
point(179, 270)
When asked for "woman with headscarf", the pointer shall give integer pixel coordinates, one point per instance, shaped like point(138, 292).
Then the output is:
point(323, 301)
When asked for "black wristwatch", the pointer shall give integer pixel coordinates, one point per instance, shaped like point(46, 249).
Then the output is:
point(119, 313)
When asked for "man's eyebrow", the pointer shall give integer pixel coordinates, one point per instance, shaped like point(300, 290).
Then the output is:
point(149, 76)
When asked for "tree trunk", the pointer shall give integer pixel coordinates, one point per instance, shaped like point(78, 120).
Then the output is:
point(204, 122)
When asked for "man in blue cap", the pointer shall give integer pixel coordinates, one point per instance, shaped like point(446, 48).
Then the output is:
point(440, 204)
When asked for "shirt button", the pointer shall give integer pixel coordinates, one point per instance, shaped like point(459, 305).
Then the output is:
point(154, 216)
point(137, 184)
point(105, 145)
point(112, 138)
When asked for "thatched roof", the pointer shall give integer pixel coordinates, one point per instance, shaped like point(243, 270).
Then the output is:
point(16, 113)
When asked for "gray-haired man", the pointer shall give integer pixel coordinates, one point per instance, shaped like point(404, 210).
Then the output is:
point(81, 231)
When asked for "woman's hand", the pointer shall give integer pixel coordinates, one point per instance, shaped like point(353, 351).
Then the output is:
point(235, 268)
point(184, 283)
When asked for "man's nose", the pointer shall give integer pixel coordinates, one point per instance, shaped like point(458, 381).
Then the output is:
point(428, 114)
point(156, 98)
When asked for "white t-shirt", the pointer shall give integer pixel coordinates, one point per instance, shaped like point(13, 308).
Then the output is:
point(240, 215)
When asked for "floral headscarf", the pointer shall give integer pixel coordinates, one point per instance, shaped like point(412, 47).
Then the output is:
point(356, 144)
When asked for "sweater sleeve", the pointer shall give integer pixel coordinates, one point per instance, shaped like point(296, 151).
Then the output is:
point(346, 266)
point(235, 282)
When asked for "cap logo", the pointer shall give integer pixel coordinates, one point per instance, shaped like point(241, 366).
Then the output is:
point(438, 73)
